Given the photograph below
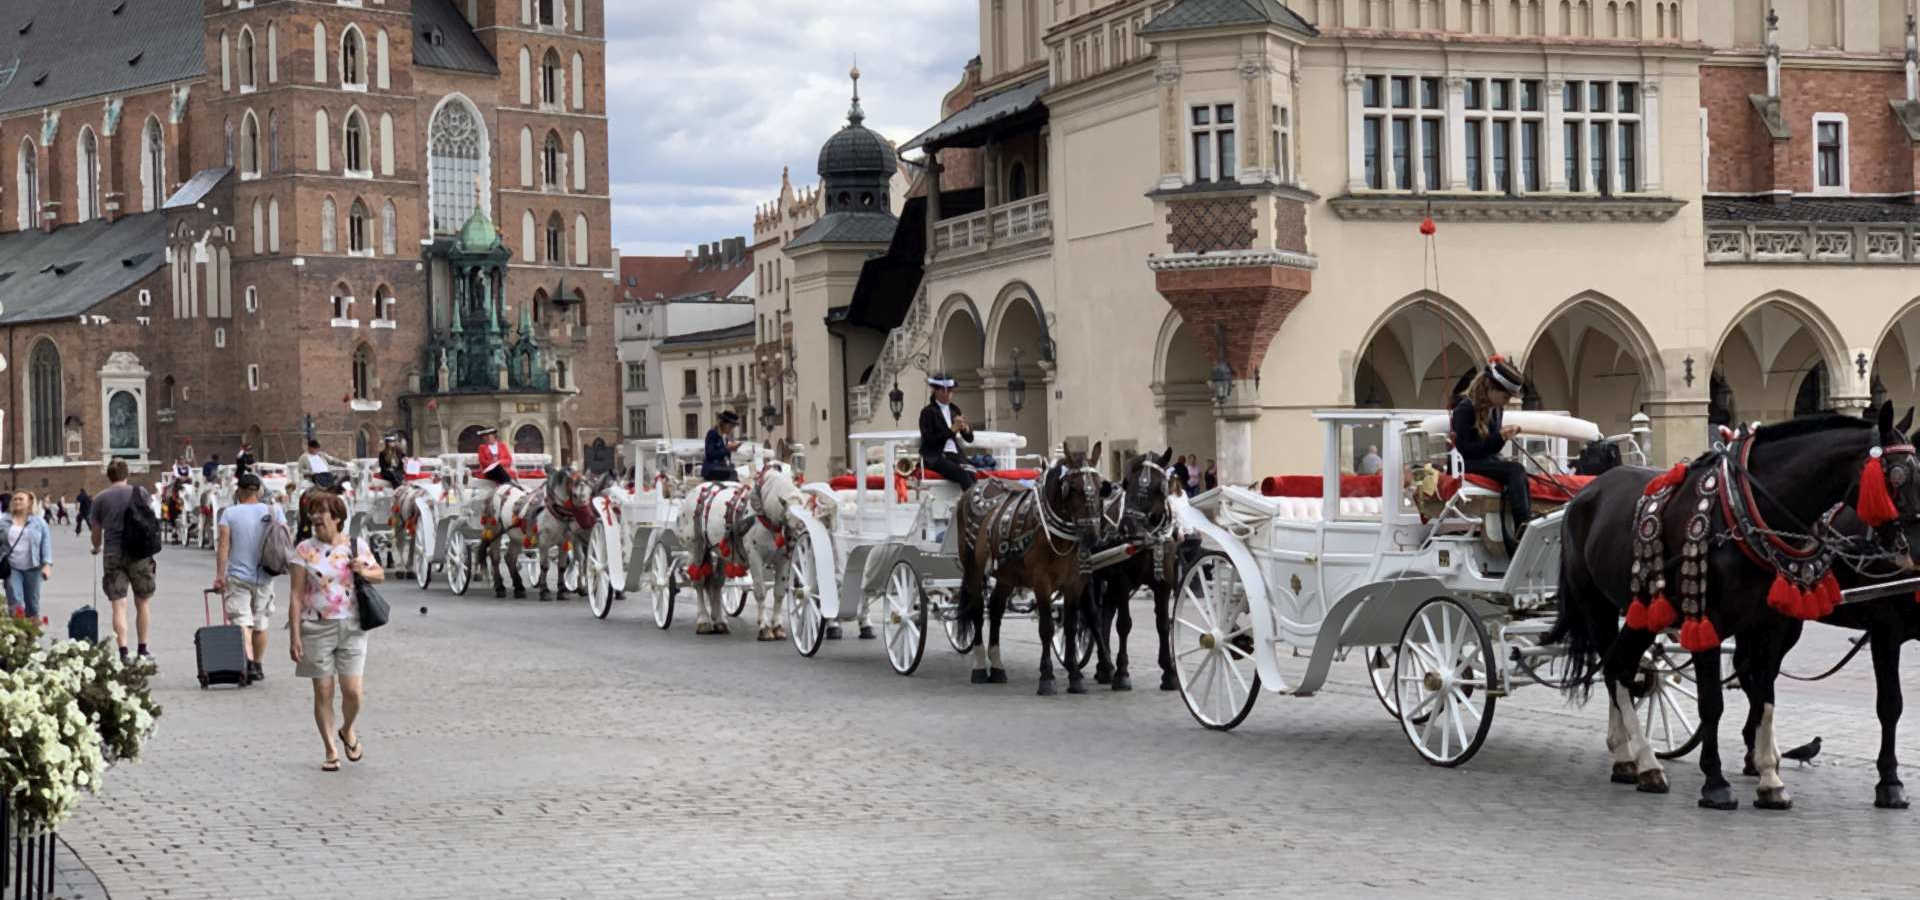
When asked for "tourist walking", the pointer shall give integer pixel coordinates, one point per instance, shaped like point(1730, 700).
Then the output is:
point(323, 621)
point(29, 556)
point(83, 507)
point(120, 575)
point(246, 591)
point(1181, 474)
point(1211, 479)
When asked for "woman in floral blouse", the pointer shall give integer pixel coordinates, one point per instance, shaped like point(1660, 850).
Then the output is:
point(325, 635)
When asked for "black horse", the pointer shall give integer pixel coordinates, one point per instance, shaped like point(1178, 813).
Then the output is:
point(1788, 485)
point(1138, 509)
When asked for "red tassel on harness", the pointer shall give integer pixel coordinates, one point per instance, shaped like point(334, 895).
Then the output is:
point(1825, 597)
point(698, 571)
point(1875, 506)
point(1667, 479)
point(735, 570)
point(1637, 615)
point(1661, 615)
point(1699, 636)
point(1784, 597)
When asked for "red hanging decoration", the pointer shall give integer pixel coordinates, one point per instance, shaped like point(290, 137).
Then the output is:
point(1669, 478)
point(699, 571)
point(1784, 597)
point(1875, 506)
point(736, 570)
point(1427, 227)
point(1661, 615)
point(1699, 636)
point(1637, 616)
point(1826, 597)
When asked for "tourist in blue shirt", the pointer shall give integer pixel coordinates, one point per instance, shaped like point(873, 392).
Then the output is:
point(29, 554)
point(246, 592)
point(718, 464)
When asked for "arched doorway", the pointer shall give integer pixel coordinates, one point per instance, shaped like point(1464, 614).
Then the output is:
point(1415, 356)
point(1770, 366)
point(962, 349)
point(363, 442)
point(1896, 362)
point(529, 439)
point(1591, 360)
point(1182, 393)
point(566, 445)
point(470, 439)
point(1020, 329)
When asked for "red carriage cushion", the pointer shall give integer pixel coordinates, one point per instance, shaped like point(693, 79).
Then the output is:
point(1557, 489)
point(1310, 486)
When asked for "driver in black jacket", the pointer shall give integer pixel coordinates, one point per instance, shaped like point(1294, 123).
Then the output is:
point(943, 428)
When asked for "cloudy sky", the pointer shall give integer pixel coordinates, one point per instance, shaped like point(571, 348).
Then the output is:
point(709, 98)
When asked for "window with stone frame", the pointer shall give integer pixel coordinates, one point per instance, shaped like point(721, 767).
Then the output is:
point(1505, 118)
point(44, 396)
point(636, 421)
point(153, 170)
point(250, 145)
point(355, 140)
point(353, 58)
point(556, 240)
point(1210, 142)
point(550, 153)
point(456, 163)
point(246, 59)
point(551, 78)
point(362, 372)
point(1282, 144)
point(342, 302)
point(636, 376)
point(1600, 128)
point(383, 303)
point(357, 228)
point(1830, 153)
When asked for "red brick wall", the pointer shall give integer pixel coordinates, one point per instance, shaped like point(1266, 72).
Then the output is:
point(1879, 152)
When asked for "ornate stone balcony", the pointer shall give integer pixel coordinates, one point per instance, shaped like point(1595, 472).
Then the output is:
point(1000, 226)
point(1812, 232)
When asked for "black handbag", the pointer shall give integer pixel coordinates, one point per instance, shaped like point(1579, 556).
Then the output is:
point(6, 559)
point(373, 608)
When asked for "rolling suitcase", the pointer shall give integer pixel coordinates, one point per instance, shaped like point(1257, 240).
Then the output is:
point(219, 650)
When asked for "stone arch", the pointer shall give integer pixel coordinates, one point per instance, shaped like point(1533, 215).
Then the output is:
point(469, 440)
point(1896, 356)
point(1018, 323)
point(1765, 353)
point(1016, 293)
point(1592, 357)
point(959, 349)
point(1416, 368)
point(1181, 392)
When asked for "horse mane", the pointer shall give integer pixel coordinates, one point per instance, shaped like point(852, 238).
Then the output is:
point(1813, 424)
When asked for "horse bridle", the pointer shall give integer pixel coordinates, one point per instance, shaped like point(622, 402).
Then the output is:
point(1054, 525)
point(1900, 464)
point(1151, 524)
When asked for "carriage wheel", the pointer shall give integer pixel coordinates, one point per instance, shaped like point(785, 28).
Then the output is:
point(423, 552)
point(529, 565)
point(660, 580)
point(459, 561)
point(961, 635)
point(1380, 662)
point(1212, 635)
point(594, 578)
point(904, 624)
point(733, 595)
point(576, 564)
point(1667, 707)
point(1441, 677)
point(1057, 610)
point(806, 625)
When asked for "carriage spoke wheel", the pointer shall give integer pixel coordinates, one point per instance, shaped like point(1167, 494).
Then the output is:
point(1083, 637)
point(593, 575)
point(1212, 643)
point(904, 625)
point(734, 595)
point(660, 582)
point(1667, 707)
point(459, 563)
point(422, 552)
point(1380, 662)
point(961, 634)
point(806, 625)
point(1440, 681)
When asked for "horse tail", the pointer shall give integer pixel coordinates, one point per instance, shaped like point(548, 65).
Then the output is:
point(1576, 625)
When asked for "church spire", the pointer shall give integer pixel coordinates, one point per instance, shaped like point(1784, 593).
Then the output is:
point(854, 114)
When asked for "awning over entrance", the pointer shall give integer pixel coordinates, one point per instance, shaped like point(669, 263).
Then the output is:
point(982, 119)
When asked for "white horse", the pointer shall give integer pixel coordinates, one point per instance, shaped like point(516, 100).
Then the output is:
point(412, 501)
point(733, 529)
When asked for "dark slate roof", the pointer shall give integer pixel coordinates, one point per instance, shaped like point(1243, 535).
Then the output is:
point(53, 51)
point(1808, 209)
point(1190, 14)
point(980, 113)
point(848, 227)
point(729, 333)
point(60, 275)
point(197, 188)
point(857, 150)
point(459, 47)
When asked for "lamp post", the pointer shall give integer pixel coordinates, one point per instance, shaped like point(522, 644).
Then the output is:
point(1016, 385)
point(768, 416)
point(1222, 377)
point(896, 401)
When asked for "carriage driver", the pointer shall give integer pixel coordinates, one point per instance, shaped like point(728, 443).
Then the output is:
point(1479, 434)
point(392, 463)
point(942, 429)
point(496, 461)
point(716, 463)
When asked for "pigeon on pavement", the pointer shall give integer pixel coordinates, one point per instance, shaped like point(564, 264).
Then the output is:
point(1804, 753)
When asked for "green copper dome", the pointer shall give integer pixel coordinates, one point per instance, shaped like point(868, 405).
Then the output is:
point(478, 235)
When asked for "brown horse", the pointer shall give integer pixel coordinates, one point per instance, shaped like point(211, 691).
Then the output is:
point(1036, 538)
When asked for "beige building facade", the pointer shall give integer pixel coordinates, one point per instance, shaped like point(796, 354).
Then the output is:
point(1665, 208)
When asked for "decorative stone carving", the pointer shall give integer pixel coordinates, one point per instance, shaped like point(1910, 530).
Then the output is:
point(1166, 74)
point(1779, 243)
point(1354, 78)
point(1650, 88)
point(1530, 208)
point(1833, 244)
point(1885, 245)
point(1726, 243)
point(1209, 224)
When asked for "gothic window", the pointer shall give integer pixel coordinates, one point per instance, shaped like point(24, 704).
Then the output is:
point(250, 144)
point(539, 304)
point(356, 142)
point(86, 180)
point(246, 58)
point(357, 228)
point(353, 58)
point(456, 161)
point(546, 11)
point(44, 393)
point(342, 301)
point(328, 212)
point(153, 175)
point(556, 240)
point(551, 78)
point(389, 230)
point(273, 141)
point(362, 372)
point(550, 162)
point(29, 181)
point(227, 128)
point(383, 303)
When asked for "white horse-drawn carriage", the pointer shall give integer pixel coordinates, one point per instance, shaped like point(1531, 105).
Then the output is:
point(1405, 566)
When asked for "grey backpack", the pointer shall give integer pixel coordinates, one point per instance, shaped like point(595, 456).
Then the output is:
point(276, 548)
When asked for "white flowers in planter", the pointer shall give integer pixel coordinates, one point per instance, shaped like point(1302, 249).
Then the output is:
point(66, 711)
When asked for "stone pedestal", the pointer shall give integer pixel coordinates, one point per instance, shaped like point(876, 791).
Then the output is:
point(1679, 430)
point(1233, 432)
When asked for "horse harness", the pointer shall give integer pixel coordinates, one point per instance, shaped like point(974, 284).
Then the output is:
point(1804, 585)
point(1015, 521)
point(736, 519)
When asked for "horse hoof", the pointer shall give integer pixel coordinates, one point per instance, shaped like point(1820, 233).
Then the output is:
point(1652, 781)
point(979, 676)
point(779, 632)
point(766, 634)
point(519, 594)
point(1122, 683)
point(866, 632)
point(546, 597)
point(499, 593)
point(997, 676)
point(833, 632)
point(1076, 685)
point(721, 628)
point(1773, 798)
point(1169, 681)
point(1102, 676)
point(1889, 796)
point(619, 595)
point(1720, 798)
point(703, 628)
point(1624, 773)
point(1046, 687)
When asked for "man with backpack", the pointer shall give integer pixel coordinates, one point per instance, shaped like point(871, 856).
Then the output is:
point(126, 535)
point(254, 543)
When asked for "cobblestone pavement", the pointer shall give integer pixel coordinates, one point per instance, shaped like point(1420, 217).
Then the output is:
point(520, 749)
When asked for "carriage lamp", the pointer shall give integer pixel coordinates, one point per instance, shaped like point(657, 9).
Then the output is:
point(896, 400)
point(1016, 385)
point(1222, 377)
point(769, 416)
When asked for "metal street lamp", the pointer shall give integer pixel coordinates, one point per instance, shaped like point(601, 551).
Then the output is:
point(768, 417)
point(1222, 377)
point(896, 400)
point(1016, 385)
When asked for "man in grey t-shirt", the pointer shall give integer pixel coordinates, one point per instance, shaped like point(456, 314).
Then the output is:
point(246, 592)
point(119, 574)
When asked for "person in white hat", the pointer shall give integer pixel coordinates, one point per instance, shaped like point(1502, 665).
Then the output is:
point(1479, 433)
point(495, 460)
point(942, 430)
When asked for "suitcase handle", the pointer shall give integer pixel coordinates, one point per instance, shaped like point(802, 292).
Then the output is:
point(207, 607)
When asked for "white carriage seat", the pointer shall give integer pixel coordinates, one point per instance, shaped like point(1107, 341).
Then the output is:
point(1299, 509)
point(1360, 507)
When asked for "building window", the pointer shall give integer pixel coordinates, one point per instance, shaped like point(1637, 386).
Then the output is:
point(153, 170)
point(546, 12)
point(637, 421)
point(362, 372)
point(1830, 153)
point(353, 58)
point(1283, 144)
point(1504, 118)
point(86, 181)
point(383, 303)
point(389, 229)
point(356, 143)
point(636, 376)
point(273, 141)
point(253, 299)
point(1017, 181)
point(44, 394)
point(550, 162)
point(1210, 131)
point(550, 79)
point(556, 240)
point(693, 426)
point(253, 377)
point(456, 163)
point(1602, 134)
point(250, 145)
point(246, 59)
point(357, 228)
point(691, 381)
point(1404, 119)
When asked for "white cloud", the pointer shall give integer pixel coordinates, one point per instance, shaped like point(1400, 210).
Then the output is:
point(708, 100)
